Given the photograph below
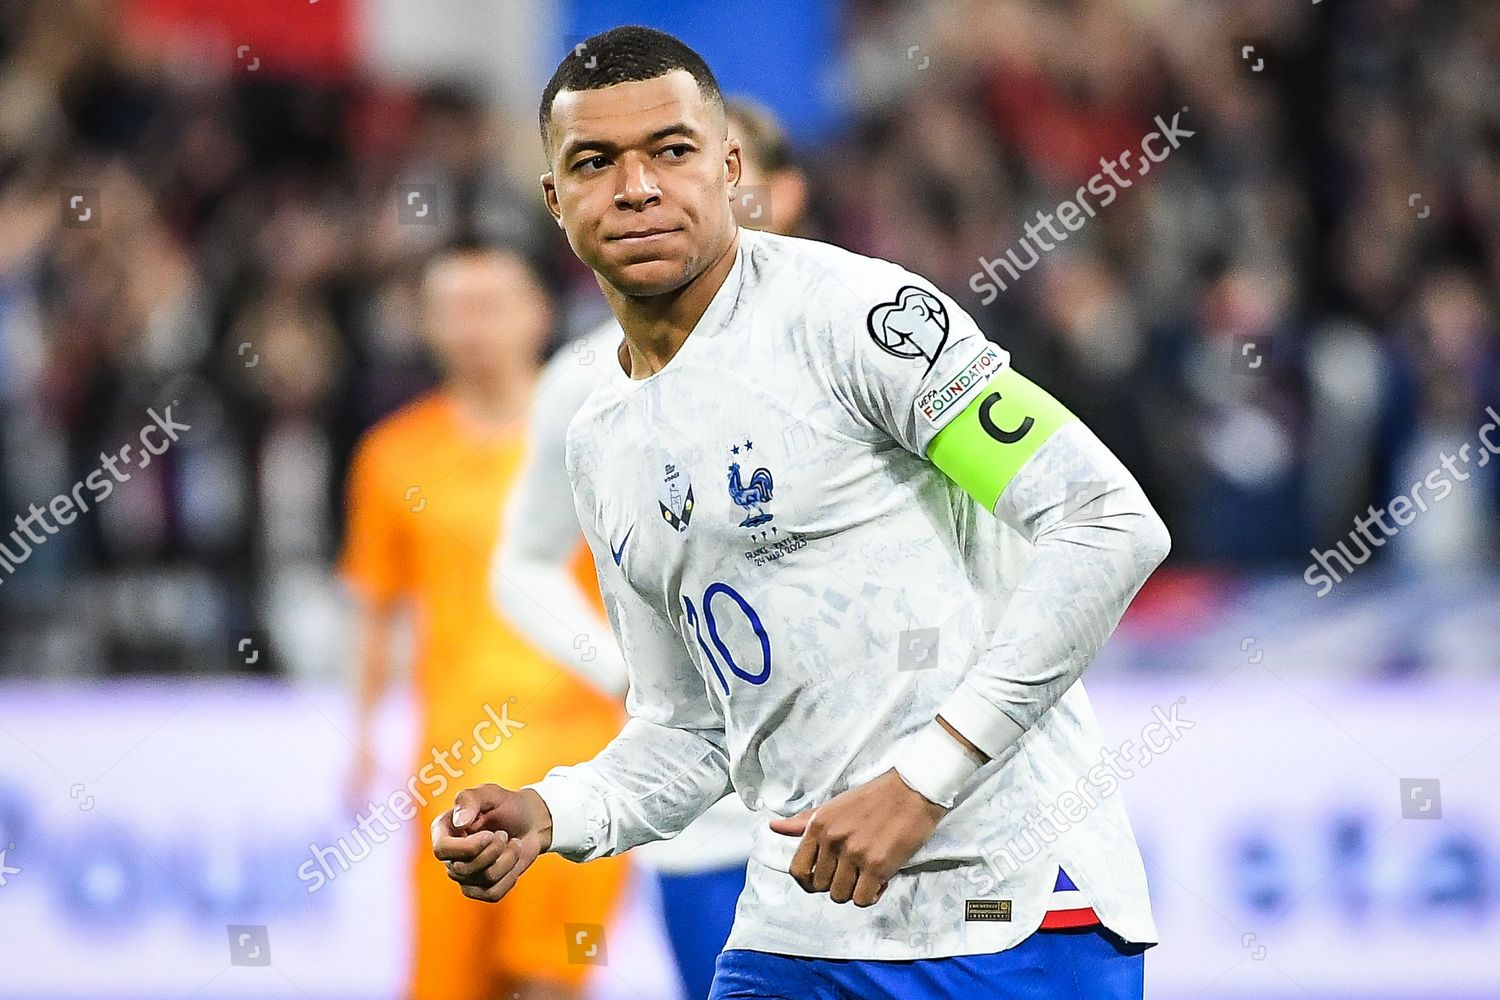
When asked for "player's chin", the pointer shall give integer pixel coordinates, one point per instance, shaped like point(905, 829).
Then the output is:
point(639, 275)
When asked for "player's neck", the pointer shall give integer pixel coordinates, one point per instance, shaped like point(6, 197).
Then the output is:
point(489, 401)
point(657, 326)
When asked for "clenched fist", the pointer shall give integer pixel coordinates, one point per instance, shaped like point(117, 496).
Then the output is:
point(490, 837)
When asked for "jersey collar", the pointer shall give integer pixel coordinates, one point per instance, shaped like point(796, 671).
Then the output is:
point(720, 308)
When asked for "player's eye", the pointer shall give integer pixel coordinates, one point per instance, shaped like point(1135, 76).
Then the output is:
point(676, 152)
point(592, 163)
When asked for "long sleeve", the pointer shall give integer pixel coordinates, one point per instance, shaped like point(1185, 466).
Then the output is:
point(1096, 540)
point(668, 764)
point(920, 370)
point(531, 580)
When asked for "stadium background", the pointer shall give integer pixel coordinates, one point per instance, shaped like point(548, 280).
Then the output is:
point(1291, 318)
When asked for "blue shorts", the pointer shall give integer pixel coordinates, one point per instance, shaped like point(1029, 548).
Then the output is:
point(1084, 964)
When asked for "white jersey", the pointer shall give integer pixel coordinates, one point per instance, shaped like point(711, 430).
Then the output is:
point(535, 588)
point(797, 591)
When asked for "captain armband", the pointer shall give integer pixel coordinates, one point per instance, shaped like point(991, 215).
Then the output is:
point(984, 447)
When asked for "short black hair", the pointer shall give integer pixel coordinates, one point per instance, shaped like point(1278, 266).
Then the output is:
point(625, 54)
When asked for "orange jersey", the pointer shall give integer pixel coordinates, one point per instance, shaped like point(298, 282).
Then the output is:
point(426, 488)
point(425, 492)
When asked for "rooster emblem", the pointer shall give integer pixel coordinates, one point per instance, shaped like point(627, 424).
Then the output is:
point(753, 495)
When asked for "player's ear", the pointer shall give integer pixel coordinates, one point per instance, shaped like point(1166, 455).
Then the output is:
point(733, 165)
point(549, 196)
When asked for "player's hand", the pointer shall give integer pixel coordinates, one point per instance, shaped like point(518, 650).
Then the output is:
point(853, 844)
point(490, 837)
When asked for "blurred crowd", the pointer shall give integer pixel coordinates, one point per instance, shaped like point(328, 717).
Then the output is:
point(1280, 325)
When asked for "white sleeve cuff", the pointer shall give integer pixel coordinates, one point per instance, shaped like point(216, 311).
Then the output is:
point(569, 814)
point(980, 722)
point(934, 764)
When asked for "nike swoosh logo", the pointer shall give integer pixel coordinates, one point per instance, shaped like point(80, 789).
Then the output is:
point(620, 552)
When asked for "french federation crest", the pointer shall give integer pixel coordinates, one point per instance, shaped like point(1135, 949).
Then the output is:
point(754, 492)
point(915, 325)
point(676, 498)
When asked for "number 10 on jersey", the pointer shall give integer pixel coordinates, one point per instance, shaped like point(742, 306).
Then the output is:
point(725, 590)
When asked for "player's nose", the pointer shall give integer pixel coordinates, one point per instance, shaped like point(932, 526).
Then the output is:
point(638, 186)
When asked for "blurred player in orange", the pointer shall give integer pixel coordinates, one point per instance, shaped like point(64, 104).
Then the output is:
point(425, 488)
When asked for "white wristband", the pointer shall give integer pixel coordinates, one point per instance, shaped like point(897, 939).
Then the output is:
point(934, 764)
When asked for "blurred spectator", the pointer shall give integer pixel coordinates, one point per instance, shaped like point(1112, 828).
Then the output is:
point(1334, 214)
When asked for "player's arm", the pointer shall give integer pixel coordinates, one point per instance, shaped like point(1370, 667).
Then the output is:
point(531, 581)
point(924, 373)
point(917, 371)
point(374, 628)
point(1020, 453)
point(374, 564)
point(668, 764)
point(664, 769)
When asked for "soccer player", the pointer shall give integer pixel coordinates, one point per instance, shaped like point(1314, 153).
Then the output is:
point(425, 489)
point(702, 871)
point(857, 564)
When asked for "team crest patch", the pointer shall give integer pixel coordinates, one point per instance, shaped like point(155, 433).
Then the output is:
point(954, 394)
point(915, 325)
point(749, 492)
point(676, 498)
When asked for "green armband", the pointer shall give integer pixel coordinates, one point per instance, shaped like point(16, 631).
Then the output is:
point(984, 447)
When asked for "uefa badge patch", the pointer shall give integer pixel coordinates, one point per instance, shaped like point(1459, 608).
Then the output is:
point(915, 325)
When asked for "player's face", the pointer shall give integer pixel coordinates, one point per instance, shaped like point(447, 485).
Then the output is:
point(640, 181)
point(486, 315)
